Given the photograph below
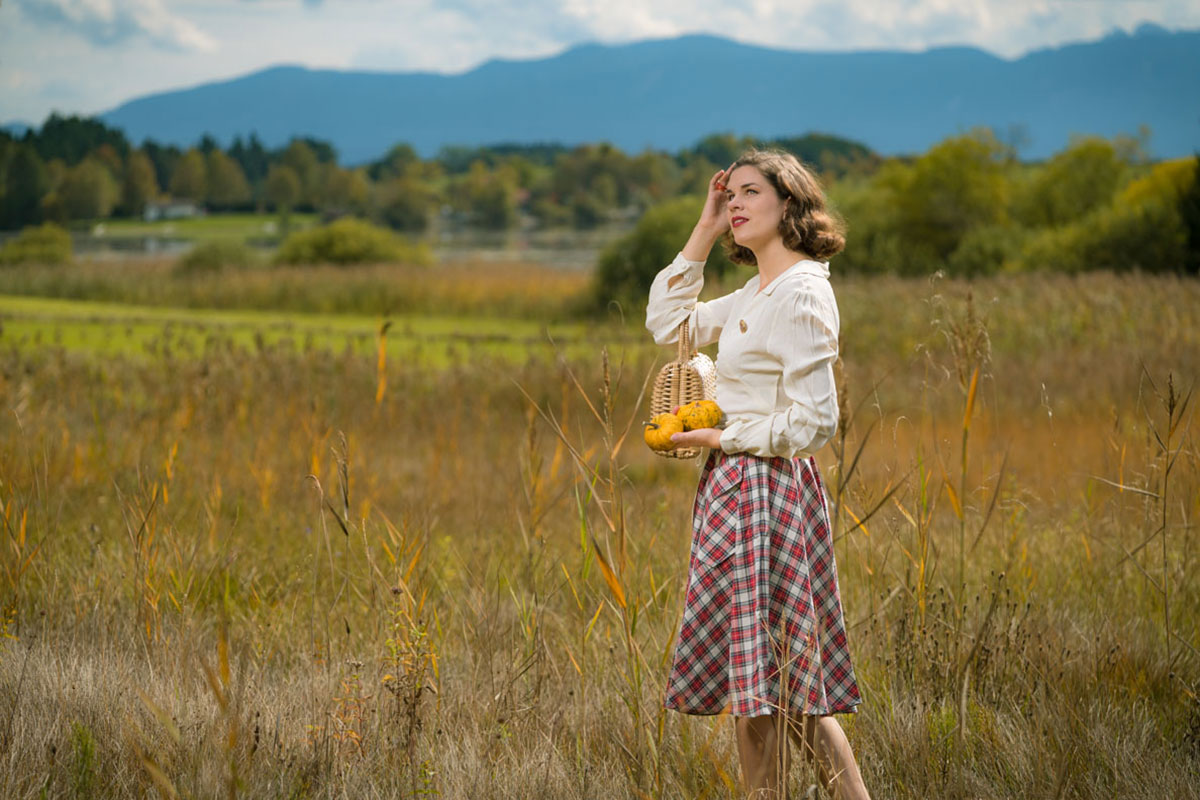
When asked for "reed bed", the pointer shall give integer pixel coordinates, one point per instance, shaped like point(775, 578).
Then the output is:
point(497, 289)
point(264, 571)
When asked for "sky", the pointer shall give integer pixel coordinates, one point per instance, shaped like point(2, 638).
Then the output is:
point(89, 56)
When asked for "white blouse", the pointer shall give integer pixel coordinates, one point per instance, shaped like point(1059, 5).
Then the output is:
point(776, 349)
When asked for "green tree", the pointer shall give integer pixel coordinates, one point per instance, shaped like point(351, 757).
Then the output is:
point(656, 178)
point(225, 183)
point(1148, 237)
point(74, 138)
point(323, 151)
point(874, 242)
point(600, 171)
point(406, 204)
point(190, 178)
point(958, 185)
point(138, 184)
point(252, 157)
point(396, 164)
point(628, 266)
point(721, 148)
point(489, 198)
point(283, 192)
point(25, 184)
point(1070, 185)
point(347, 191)
point(53, 209)
point(88, 191)
point(113, 161)
point(302, 160)
point(1143, 228)
point(164, 159)
point(1189, 212)
point(831, 154)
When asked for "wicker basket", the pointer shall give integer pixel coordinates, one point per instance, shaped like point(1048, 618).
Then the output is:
point(692, 376)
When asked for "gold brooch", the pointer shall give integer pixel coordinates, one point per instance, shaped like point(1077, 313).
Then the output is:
point(742, 325)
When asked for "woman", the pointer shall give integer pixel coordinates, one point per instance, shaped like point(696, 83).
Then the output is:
point(762, 635)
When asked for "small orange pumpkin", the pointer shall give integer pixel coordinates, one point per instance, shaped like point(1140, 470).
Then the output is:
point(700, 414)
point(657, 431)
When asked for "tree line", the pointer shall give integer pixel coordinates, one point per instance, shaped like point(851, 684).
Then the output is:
point(969, 206)
point(77, 169)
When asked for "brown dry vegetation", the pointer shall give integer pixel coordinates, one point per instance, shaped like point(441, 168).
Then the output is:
point(246, 573)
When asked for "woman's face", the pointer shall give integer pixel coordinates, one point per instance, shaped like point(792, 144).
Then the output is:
point(753, 206)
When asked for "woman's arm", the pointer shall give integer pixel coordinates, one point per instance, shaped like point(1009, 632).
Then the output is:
point(673, 299)
point(675, 289)
point(713, 220)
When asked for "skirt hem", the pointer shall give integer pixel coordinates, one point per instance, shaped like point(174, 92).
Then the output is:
point(851, 708)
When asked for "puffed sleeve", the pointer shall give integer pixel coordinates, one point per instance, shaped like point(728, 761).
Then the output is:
point(805, 338)
point(673, 297)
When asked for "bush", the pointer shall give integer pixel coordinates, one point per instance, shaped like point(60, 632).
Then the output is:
point(44, 244)
point(985, 250)
point(1189, 215)
point(210, 257)
point(1073, 183)
point(1148, 237)
point(628, 266)
point(350, 241)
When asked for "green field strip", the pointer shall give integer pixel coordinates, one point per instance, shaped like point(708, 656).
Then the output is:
point(116, 329)
point(212, 226)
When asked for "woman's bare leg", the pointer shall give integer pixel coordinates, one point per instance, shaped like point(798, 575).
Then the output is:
point(762, 750)
point(822, 739)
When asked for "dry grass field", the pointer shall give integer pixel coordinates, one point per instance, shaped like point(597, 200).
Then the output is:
point(258, 567)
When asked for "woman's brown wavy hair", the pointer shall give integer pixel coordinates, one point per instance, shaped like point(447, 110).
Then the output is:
point(807, 226)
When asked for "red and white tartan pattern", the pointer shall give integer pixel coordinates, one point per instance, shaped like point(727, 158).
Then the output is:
point(762, 609)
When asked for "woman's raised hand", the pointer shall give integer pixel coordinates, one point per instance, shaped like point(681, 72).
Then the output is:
point(713, 220)
point(713, 217)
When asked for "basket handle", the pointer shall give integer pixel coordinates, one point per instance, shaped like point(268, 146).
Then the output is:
point(685, 341)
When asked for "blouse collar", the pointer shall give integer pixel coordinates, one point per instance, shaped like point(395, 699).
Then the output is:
point(819, 269)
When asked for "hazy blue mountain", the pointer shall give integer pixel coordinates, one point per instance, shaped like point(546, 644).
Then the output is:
point(669, 93)
point(16, 129)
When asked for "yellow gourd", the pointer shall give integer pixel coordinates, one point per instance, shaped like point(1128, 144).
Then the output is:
point(700, 414)
point(658, 430)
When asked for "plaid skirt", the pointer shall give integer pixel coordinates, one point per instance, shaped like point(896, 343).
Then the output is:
point(762, 626)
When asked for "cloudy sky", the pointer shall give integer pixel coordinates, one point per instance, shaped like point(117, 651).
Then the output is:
point(87, 56)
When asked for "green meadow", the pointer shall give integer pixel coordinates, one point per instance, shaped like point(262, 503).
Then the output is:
point(239, 226)
point(99, 329)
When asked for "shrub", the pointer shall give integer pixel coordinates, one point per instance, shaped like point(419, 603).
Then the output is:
point(985, 250)
point(350, 241)
point(957, 185)
point(44, 244)
point(214, 256)
point(628, 266)
point(1189, 215)
point(1148, 237)
point(1074, 182)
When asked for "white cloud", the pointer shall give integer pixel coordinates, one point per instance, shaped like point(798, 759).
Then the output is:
point(1006, 27)
point(87, 56)
point(107, 22)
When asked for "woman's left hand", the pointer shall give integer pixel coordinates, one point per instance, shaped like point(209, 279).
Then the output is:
point(701, 437)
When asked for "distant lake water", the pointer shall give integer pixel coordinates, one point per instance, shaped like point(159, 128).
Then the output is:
point(568, 249)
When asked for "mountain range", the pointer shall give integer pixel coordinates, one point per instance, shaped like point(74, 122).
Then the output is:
point(670, 93)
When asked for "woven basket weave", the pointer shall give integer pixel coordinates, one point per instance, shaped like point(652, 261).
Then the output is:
point(692, 376)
